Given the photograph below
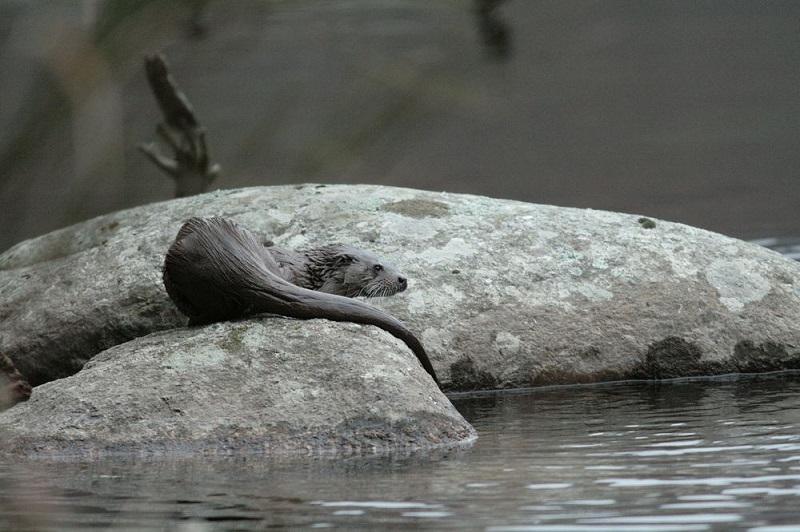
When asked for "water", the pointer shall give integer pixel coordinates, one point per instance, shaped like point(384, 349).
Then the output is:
point(679, 456)
point(786, 246)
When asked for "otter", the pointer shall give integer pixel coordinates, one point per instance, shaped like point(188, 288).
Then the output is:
point(339, 269)
point(217, 271)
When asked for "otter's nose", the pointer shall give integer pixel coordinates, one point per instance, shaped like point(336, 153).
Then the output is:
point(402, 283)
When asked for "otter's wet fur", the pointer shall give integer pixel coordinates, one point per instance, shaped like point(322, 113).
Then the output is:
point(217, 271)
point(339, 269)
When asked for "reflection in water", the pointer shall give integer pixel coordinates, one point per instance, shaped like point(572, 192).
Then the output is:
point(713, 455)
point(675, 396)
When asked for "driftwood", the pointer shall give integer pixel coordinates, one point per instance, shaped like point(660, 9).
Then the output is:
point(13, 386)
point(190, 166)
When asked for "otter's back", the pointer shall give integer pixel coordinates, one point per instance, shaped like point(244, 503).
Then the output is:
point(212, 268)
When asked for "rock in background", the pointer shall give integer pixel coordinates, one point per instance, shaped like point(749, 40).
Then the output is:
point(502, 293)
point(270, 386)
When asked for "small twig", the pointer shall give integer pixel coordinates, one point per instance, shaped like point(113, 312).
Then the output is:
point(190, 166)
point(166, 164)
point(494, 30)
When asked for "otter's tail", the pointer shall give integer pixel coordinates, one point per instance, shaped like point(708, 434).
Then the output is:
point(302, 303)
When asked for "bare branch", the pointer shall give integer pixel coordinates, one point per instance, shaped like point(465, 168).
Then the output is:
point(190, 166)
point(176, 108)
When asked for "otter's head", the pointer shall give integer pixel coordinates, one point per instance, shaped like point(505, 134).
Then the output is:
point(354, 272)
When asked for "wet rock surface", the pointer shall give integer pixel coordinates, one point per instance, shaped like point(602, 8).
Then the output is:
point(502, 293)
point(271, 385)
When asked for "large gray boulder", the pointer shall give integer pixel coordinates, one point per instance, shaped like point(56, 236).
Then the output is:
point(271, 386)
point(502, 293)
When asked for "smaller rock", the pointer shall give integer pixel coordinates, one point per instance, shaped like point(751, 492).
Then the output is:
point(270, 386)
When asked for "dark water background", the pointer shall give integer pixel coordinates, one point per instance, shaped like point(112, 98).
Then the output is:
point(719, 454)
point(686, 110)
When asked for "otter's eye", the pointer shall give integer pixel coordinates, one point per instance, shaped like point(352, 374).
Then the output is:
point(377, 268)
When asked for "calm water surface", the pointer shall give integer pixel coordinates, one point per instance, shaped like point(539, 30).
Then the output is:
point(680, 456)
